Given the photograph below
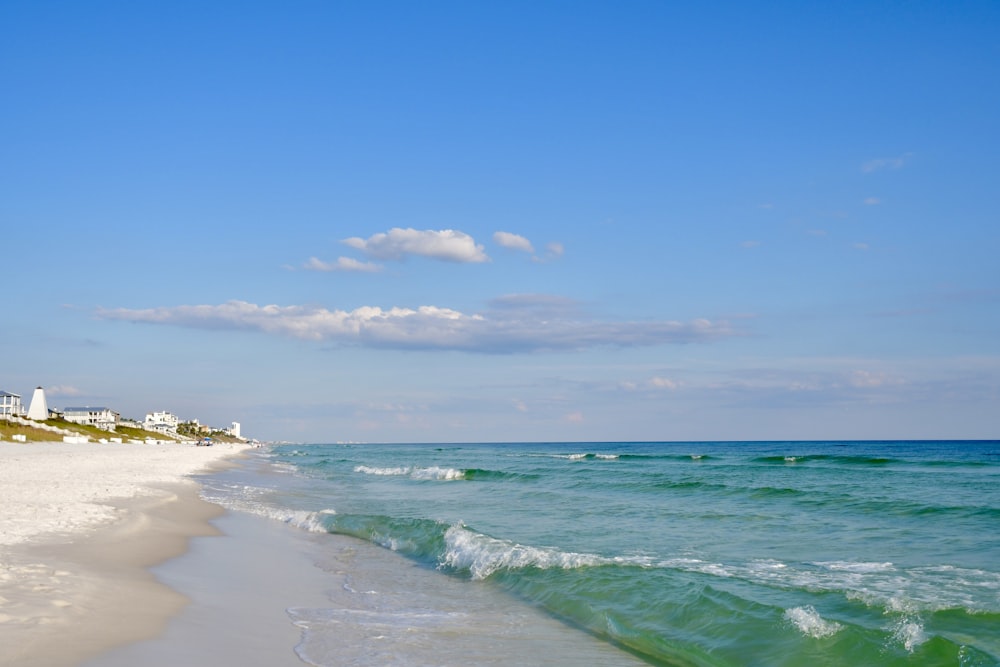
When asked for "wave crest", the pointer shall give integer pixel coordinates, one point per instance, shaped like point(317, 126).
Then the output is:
point(810, 623)
point(482, 555)
point(431, 473)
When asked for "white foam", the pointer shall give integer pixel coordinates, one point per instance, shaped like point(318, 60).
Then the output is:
point(681, 563)
point(767, 565)
point(901, 604)
point(909, 632)
point(483, 555)
point(435, 472)
point(697, 565)
point(368, 470)
point(571, 457)
point(810, 623)
point(876, 584)
point(717, 569)
point(855, 566)
point(430, 473)
point(253, 500)
point(310, 521)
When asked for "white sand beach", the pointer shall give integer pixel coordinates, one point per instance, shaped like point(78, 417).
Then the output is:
point(79, 525)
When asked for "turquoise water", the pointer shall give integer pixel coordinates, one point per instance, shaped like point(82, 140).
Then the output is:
point(790, 553)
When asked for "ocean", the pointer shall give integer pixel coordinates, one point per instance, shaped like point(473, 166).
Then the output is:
point(695, 553)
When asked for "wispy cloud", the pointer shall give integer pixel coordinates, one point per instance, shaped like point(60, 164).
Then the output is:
point(345, 264)
point(513, 242)
point(514, 324)
point(658, 382)
point(871, 379)
point(821, 382)
point(553, 251)
point(541, 306)
point(653, 385)
point(878, 164)
point(397, 244)
point(63, 391)
point(872, 201)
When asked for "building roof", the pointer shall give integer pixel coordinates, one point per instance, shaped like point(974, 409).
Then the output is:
point(7, 393)
point(85, 409)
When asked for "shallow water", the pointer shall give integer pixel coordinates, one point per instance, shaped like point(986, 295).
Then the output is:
point(684, 553)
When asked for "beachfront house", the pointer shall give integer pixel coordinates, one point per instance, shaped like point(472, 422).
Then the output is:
point(196, 427)
point(161, 422)
point(10, 405)
point(102, 418)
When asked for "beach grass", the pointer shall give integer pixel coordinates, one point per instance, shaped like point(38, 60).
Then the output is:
point(8, 429)
point(32, 434)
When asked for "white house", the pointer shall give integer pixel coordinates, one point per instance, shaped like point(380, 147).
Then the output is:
point(234, 430)
point(100, 417)
point(10, 405)
point(161, 422)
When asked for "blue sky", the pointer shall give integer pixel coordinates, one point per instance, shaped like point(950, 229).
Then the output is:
point(482, 221)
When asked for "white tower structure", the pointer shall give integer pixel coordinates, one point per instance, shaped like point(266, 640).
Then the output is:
point(39, 410)
point(234, 430)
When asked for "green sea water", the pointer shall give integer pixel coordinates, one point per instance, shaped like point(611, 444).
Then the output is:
point(740, 553)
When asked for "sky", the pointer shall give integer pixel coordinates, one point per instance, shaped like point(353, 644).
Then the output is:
point(506, 221)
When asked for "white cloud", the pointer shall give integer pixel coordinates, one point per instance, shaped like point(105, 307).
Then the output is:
point(447, 245)
point(663, 383)
point(872, 201)
point(342, 264)
point(532, 326)
point(871, 379)
point(63, 391)
point(553, 251)
point(879, 164)
point(861, 246)
point(656, 383)
point(513, 242)
point(543, 306)
point(574, 417)
point(750, 244)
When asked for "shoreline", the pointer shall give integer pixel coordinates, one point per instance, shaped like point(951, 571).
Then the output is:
point(269, 592)
point(239, 587)
point(80, 528)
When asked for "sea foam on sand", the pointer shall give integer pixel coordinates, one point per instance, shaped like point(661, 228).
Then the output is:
point(79, 523)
